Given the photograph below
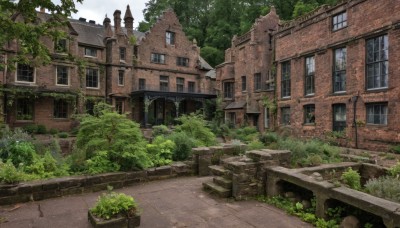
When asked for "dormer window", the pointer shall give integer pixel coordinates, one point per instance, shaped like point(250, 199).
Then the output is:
point(60, 46)
point(92, 52)
point(339, 21)
point(170, 38)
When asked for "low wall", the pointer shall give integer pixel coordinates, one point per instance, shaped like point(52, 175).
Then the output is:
point(57, 187)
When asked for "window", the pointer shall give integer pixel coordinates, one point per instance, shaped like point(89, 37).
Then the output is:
point(62, 75)
point(270, 81)
point(285, 72)
point(232, 119)
point(339, 117)
point(60, 46)
point(164, 80)
point(119, 106)
point(339, 21)
point(285, 116)
point(60, 109)
point(90, 52)
point(92, 78)
point(266, 118)
point(24, 109)
point(377, 113)
point(257, 81)
point(339, 71)
point(309, 78)
point(122, 53)
point(244, 83)
point(121, 77)
point(377, 62)
point(181, 61)
point(191, 87)
point(309, 114)
point(25, 73)
point(142, 84)
point(170, 38)
point(180, 84)
point(157, 58)
point(228, 90)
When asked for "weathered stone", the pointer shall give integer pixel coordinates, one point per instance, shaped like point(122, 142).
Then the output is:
point(50, 185)
point(109, 177)
point(93, 180)
point(201, 151)
point(204, 162)
point(180, 168)
point(71, 191)
point(159, 171)
point(20, 198)
point(350, 222)
point(46, 194)
point(306, 204)
point(140, 175)
point(317, 176)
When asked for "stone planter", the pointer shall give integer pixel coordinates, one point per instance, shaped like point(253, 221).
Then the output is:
point(118, 222)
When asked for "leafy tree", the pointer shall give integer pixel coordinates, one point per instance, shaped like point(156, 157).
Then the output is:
point(28, 31)
point(212, 55)
point(194, 126)
point(302, 8)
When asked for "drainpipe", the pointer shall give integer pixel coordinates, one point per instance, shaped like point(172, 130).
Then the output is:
point(354, 100)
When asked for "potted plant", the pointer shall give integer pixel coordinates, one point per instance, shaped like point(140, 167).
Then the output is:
point(114, 210)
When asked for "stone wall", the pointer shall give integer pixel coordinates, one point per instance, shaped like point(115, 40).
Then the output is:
point(57, 187)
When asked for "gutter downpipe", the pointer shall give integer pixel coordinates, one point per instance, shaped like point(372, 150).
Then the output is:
point(355, 99)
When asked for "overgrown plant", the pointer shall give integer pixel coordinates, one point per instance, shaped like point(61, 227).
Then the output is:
point(195, 127)
point(351, 178)
point(160, 151)
point(387, 187)
point(183, 145)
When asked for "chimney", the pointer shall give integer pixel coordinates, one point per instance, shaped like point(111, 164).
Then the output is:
point(42, 10)
point(92, 22)
point(128, 19)
point(107, 27)
point(117, 21)
point(82, 19)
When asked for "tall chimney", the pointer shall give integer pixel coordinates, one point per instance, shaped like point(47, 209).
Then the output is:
point(107, 27)
point(117, 21)
point(128, 19)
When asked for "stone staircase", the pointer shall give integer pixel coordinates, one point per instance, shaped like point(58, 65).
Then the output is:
point(221, 185)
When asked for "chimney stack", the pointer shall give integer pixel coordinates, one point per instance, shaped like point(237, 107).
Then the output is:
point(42, 10)
point(117, 21)
point(128, 19)
point(107, 27)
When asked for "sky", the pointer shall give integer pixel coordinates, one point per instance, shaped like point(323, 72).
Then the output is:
point(97, 9)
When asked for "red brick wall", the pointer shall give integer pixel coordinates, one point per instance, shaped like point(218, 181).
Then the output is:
point(315, 37)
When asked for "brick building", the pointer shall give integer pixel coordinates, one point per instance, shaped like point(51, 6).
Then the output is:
point(245, 78)
point(337, 70)
point(104, 63)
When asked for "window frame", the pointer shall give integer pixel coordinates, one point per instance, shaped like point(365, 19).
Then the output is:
point(285, 116)
point(97, 76)
point(29, 69)
point(63, 43)
point(142, 84)
point(180, 85)
point(90, 52)
point(342, 70)
point(182, 61)
point(170, 37)
point(121, 77)
point(244, 83)
point(339, 125)
point(157, 58)
point(60, 104)
point(285, 79)
point(309, 77)
point(191, 87)
point(229, 88)
point(164, 83)
point(375, 63)
point(338, 25)
point(119, 106)
point(29, 109)
point(309, 114)
point(57, 75)
point(385, 117)
point(257, 82)
point(122, 53)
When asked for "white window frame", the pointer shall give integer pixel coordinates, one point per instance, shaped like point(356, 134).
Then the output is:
point(68, 80)
point(26, 82)
point(98, 79)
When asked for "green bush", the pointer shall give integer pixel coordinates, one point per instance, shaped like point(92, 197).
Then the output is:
point(31, 128)
point(111, 204)
point(395, 170)
point(9, 174)
point(352, 178)
point(183, 146)
point(100, 163)
point(63, 135)
point(246, 134)
point(160, 130)
point(269, 137)
point(41, 129)
point(387, 187)
point(21, 153)
point(53, 131)
point(255, 145)
point(160, 151)
point(195, 127)
point(395, 149)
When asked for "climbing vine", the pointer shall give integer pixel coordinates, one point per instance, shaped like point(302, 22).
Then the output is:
point(270, 104)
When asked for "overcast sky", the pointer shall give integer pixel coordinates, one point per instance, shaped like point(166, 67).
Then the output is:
point(97, 9)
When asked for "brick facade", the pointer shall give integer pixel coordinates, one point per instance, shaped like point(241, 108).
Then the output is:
point(101, 64)
point(315, 36)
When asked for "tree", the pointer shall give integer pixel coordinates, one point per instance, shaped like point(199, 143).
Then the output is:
point(29, 31)
point(212, 55)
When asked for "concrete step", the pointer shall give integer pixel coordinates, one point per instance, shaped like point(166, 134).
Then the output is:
point(223, 182)
point(218, 170)
point(216, 189)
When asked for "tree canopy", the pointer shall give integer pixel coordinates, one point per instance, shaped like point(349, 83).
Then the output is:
point(213, 23)
point(29, 31)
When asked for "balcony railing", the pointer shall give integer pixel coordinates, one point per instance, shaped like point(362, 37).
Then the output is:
point(157, 88)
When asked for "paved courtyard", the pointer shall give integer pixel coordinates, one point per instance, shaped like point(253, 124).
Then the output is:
point(179, 202)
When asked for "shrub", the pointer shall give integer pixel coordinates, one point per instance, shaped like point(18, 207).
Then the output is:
point(9, 174)
point(195, 127)
point(100, 163)
point(63, 135)
point(387, 187)
point(183, 145)
point(395, 149)
point(160, 151)
point(246, 134)
point(269, 137)
point(111, 204)
point(160, 130)
point(41, 129)
point(352, 178)
point(255, 145)
point(31, 128)
point(395, 170)
point(53, 131)
point(21, 152)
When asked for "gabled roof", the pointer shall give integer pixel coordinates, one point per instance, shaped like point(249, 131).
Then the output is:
point(204, 65)
point(235, 105)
